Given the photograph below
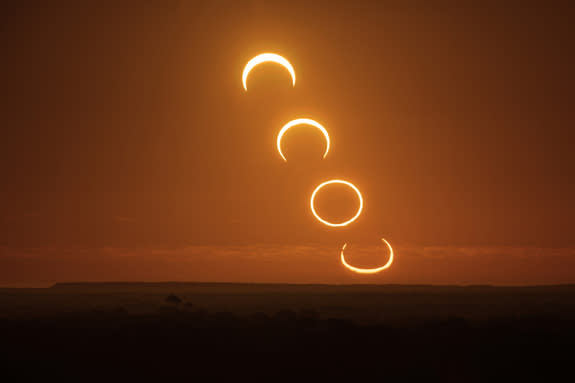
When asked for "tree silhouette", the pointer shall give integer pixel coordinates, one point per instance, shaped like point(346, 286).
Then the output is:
point(173, 299)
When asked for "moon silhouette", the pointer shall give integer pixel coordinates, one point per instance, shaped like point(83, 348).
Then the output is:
point(342, 182)
point(264, 58)
point(301, 121)
point(368, 271)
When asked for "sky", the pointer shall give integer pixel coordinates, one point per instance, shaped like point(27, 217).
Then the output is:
point(130, 151)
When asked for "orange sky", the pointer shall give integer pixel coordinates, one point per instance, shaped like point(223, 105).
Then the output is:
point(287, 264)
point(127, 133)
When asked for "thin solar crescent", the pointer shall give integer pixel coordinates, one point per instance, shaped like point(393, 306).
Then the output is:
point(367, 270)
point(305, 122)
point(267, 58)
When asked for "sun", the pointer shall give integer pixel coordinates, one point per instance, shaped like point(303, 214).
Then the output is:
point(306, 122)
point(331, 182)
point(264, 58)
point(366, 270)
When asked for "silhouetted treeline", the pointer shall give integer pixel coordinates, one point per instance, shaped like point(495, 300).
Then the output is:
point(180, 339)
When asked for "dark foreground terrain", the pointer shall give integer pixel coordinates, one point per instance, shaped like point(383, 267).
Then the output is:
point(129, 331)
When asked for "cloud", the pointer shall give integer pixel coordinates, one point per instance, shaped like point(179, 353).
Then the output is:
point(307, 263)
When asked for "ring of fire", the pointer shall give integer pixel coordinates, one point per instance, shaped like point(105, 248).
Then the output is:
point(365, 270)
point(342, 182)
point(301, 121)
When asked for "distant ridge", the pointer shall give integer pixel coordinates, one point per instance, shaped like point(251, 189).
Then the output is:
point(293, 286)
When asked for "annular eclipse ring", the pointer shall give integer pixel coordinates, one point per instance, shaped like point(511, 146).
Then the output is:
point(342, 182)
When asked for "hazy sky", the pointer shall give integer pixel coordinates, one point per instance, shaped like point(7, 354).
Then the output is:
point(125, 130)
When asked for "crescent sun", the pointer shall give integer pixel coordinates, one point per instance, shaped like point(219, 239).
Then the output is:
point(301, 121)
point(263, 58)
point(368, 271)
